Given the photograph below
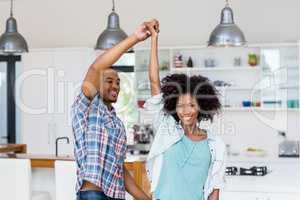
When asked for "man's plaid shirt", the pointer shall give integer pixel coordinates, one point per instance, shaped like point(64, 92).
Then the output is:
point(100, 145)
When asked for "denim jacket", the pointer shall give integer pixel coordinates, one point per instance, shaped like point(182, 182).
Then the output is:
point(168, 132)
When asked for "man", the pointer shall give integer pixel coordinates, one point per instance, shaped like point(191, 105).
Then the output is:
point(100, 138)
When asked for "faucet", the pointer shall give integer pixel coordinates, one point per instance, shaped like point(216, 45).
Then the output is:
point(56, 143)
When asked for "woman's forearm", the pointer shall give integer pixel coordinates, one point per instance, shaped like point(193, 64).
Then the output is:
point(154, 67)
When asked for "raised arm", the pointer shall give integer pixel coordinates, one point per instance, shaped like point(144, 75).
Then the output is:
point(91, 83)
point(153, 27)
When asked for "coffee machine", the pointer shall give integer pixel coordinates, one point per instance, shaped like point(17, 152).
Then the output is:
point(142, 136)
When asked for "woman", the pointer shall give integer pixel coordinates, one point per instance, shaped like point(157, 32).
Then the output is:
point(185, 161)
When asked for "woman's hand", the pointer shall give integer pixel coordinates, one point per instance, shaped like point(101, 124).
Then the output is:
point(153, 27)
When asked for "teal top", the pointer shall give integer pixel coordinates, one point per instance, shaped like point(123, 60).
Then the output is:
point(184, 171)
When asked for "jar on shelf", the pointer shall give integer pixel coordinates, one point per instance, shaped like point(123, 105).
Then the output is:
point(252, 59)
point(178, 61)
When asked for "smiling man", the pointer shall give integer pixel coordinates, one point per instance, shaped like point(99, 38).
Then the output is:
point(100, 138)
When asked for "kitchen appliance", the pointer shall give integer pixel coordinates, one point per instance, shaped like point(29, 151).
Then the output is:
point(289, 148)
point(231, 171)
point(143, 136)
point(252, 171)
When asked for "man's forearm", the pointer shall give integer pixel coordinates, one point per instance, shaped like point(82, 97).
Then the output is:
point(132, 188)
point(214, 195)
point(108, 58)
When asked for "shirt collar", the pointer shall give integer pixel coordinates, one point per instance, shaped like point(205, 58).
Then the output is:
point(210, 136)
point(111, 111)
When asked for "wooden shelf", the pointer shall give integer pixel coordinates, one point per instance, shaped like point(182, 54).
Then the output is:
point(16, 148)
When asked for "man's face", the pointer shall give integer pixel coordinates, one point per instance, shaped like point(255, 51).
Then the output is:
point(109, 86)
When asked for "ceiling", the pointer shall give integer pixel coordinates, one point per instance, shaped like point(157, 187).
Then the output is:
point(76, 23)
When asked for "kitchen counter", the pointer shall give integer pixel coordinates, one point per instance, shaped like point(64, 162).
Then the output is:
point(47, 161)
point(282, 178)
point(264, 159)
point(134, 163)
point(16, 148)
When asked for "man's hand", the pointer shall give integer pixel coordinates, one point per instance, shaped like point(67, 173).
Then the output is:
point(146, 29)
point(142, 33)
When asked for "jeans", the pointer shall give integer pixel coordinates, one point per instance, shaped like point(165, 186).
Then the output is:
point(93, 195)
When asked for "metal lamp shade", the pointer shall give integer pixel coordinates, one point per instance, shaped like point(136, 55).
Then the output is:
point(11, 41)
point(112, 35)
point(227, 33)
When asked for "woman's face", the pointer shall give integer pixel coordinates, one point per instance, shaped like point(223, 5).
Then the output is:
point(187, 109)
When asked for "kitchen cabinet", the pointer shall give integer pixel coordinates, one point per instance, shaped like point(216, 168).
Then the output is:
point(280, 183)
point(259, 196)
point(32, 100)
point(280, 75)
point(47, 87)
point(138, 171)
point(142, 60)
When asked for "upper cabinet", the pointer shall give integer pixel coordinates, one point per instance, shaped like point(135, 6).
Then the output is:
point(280, 75)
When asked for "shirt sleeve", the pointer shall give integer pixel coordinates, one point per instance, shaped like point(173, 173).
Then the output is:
point(81, 103)
point(79, 114)
point(154, 106)
point(154, 103)
point(218, 177)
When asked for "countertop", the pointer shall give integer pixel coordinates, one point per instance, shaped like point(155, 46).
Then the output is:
point(263, 159)
point(129, 157)
point(282, 177)
point(17, 148)
point(47, 161)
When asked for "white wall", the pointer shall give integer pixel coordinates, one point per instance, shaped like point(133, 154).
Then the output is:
point(257, 129)
point(69, 23)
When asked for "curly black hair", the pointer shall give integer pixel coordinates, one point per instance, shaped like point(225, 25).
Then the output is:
point(197, 86)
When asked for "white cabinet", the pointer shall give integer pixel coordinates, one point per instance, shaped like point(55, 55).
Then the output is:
point(259, 196)
point(70, 67)
point(241, 196)
point(45, 91)
point(280, 78)
point(32, 100)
